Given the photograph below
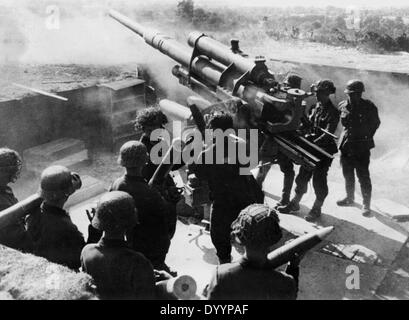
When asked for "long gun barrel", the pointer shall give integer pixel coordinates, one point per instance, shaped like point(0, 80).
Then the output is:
point(201, 67)
point(298, 247)
point(215, 72)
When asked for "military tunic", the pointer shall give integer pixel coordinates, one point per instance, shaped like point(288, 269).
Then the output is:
point(148, 172)
point(230, 193)
point(119, 272)
point(243, 281)
point(326, 117)
point(55, 236)
point(359, 123)
point(151, 236)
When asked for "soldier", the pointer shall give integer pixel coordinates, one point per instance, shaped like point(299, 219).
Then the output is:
point(151, 237)
point(14, 235)
point(360, 120)
point(230, 192)
point(254, 232)
point(292, 81)
point(119, 272)
point(285, 163)
point(323, 115)
point(54, 235)
point(148, 120)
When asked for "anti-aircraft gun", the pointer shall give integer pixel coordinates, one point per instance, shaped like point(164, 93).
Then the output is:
point(228, 78)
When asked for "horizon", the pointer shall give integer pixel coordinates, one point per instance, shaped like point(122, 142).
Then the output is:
point(375, 4)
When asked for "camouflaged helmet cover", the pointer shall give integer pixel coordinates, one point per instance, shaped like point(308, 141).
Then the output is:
point(115, 212)
point(133, 154)
point(10, 162)
point(256, 225)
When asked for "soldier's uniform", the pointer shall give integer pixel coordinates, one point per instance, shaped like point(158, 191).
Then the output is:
point(151, 236)
point(360, 123)
point(230, 192)
point(243, 281)
point(55, 236)
point(285, 163)
point(119, 272)
point(168, 185)
point(257, 227)
point(13, 235)
point(324, 116)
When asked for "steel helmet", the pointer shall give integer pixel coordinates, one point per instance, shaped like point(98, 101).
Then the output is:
point(256, 225)
point(354, 86)
point(58, 182)
point(115, 212)
point(133, 154)
point(293, 81)
point(324, 85)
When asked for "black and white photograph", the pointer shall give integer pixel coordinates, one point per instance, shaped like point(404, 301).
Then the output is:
point(216, 152)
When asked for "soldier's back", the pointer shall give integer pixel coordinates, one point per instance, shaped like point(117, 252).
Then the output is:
point(151, 234)
point(119, 272)
point(241, 281)
point(55, 236)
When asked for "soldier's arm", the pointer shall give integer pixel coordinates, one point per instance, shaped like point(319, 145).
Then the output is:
point(198, 167)
point(374, 121)
point(342, 108)
point(331, 127)
point(143, 279)
point(70, 251)
point(293, 270)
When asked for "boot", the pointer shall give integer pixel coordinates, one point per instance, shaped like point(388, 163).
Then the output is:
point(366, 210)
point(315, 212)
point(285, 200)
point(346, 202)
point(292, 206)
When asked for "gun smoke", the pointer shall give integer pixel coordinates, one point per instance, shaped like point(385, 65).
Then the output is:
point(86, 35)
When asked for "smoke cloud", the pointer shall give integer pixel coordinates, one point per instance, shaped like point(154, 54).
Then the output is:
point(86, 35)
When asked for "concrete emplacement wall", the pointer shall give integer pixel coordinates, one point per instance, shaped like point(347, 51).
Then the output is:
point(38, 119)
